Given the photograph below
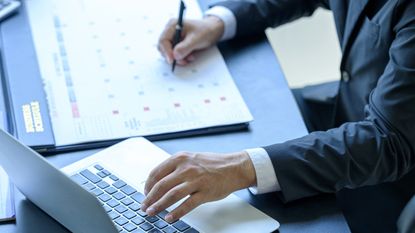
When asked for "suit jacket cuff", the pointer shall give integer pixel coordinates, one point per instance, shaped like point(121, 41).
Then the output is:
point(228, 19)
point(265, 174)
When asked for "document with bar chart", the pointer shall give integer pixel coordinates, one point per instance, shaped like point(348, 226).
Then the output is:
point(105, 79)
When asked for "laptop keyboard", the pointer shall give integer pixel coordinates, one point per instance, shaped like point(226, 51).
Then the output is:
point(123, 202)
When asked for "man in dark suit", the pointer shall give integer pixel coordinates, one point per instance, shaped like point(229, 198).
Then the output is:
point(367, 135)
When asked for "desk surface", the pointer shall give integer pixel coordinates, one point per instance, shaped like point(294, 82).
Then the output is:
point(260, 80)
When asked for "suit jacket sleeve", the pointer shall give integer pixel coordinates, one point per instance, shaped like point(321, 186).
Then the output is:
point(254, 17)
point(377, 149)
point(406, 222)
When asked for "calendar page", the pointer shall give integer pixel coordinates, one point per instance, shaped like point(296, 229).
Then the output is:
point(105, 79)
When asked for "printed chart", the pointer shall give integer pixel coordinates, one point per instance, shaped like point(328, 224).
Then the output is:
point(104, 78)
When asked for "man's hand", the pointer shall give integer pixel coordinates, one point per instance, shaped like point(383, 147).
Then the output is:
point(196, 34)
point(201, 177)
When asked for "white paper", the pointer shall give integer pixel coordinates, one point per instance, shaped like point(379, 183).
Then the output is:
point(105, 79)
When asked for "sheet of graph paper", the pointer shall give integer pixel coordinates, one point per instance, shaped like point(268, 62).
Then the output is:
point(105, 79)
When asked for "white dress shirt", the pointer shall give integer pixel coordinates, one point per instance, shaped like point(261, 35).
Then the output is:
point(228, 19)
point(265, 174)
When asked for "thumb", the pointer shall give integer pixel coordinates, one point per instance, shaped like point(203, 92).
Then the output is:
point(185, 47)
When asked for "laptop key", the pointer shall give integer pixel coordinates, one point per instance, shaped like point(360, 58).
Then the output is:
point(138, 230)
point(155, 230)
point(79, 179)
point(114, 178)
point(98, 167)
point(119, 184)
point(137, 220)
point(90, 176)
point(111, 190)
point(152, 219)
point(129, 227)
point(113, 215)
point(113, 203)
point(191, 230)
point(160, 224)
point(138, 197)
point(89, 186)
point(104, 197)
point(103, 185)
point(163, 214)
point(129, 214)
point(106, 172)
point(121, 221)
point(146, 226)
point(107, 208)
point(135, 206)
point(118, 195)
point(142, 213)
point(102, 174)
point(128, 190)
point(127, 201)
point(97, 192)
point(169, 229)
point(181, 226)
point(121, 209)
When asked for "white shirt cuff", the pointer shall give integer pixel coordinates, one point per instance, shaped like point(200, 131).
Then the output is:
point(228, 19)
point(265, 174)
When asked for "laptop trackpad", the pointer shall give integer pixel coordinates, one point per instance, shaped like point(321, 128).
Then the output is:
point(231, 214)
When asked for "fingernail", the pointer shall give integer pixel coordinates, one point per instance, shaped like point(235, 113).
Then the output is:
point(143, 207)
point(169, 218)
point(169, 60)
point(150, 211)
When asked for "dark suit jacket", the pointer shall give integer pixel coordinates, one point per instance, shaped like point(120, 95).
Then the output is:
point(373, 139)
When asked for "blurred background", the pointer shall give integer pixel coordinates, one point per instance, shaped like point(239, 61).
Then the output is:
point(308, 49)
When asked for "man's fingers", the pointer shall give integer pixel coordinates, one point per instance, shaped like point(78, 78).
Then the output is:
point(172, 196)
point(166, 49)
point(187, 60)
point(182, 62)
point(186, 47)
point(165, 44)
point(161, 188)
point(158, 173)
point(191, 203)
point(190, 58)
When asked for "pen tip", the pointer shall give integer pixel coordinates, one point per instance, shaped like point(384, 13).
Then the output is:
point(173, 66)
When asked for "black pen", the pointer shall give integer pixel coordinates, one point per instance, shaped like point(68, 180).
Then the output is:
point(179, 28)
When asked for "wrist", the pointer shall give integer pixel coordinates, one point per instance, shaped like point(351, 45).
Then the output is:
point(244, 170)
point(216, 27)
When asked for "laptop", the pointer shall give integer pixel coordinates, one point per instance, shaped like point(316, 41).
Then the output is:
point(102, 193)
